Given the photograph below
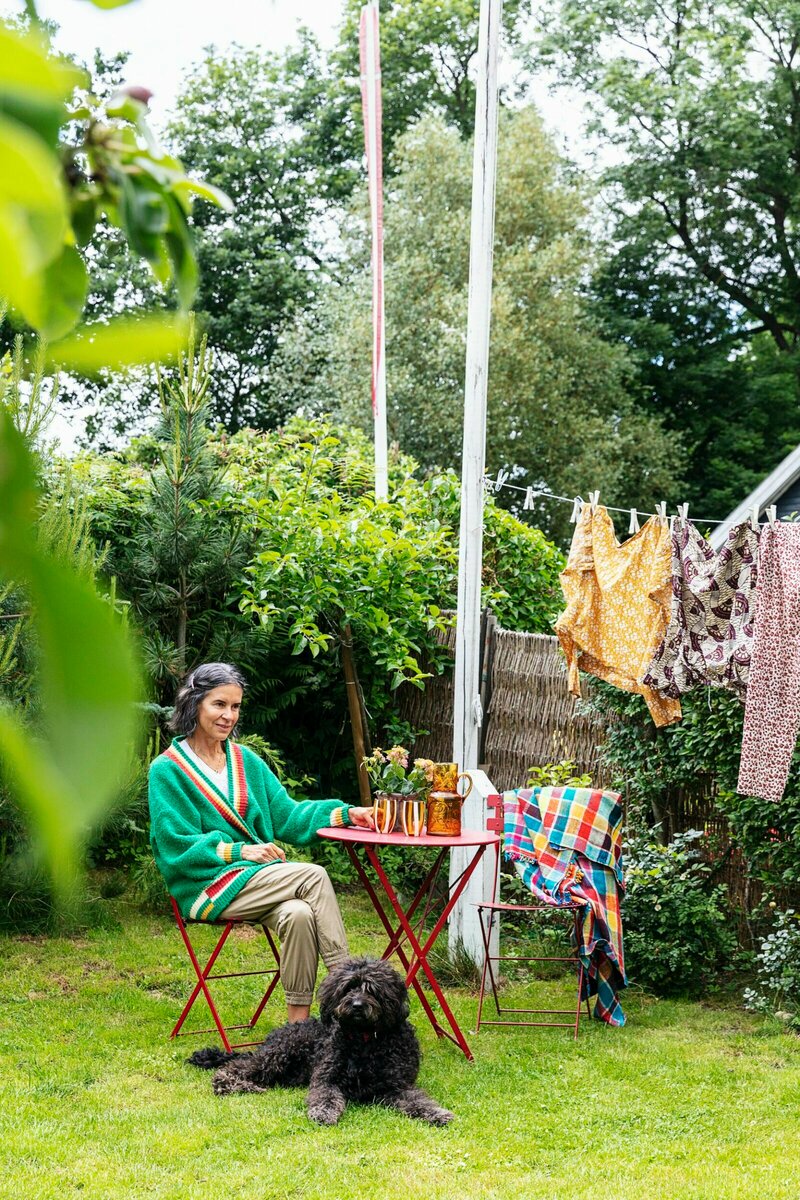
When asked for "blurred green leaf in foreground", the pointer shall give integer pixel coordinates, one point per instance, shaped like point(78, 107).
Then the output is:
point(64, 775)
point(70, 166)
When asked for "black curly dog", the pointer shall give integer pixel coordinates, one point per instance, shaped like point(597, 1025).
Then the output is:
point(362, 1048)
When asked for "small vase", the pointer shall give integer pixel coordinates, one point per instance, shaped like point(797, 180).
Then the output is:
point(388, 812)
point(413, 815)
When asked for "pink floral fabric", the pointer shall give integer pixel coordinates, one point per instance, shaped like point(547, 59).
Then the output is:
point(772, 710)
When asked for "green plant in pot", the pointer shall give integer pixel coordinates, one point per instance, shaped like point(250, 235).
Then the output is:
point(394, 781)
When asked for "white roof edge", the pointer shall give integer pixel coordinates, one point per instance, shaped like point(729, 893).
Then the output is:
point(767, 492)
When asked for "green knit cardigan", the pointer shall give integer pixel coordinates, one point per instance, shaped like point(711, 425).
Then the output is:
point(197, 833)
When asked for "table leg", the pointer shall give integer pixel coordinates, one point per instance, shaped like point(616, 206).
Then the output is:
point(395, 940)
point(424, 890)
point(421, 952)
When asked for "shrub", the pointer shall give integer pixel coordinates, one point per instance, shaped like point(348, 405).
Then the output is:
point(676, 929)
point(560, 774)
point(655, 768)
point(777, 986)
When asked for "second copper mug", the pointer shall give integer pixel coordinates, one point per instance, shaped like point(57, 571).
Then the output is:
point(413, 815)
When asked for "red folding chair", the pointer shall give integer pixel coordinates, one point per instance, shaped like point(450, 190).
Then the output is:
point(203, 975)
point(489, 912)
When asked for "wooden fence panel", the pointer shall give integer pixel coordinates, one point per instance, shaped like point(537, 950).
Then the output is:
point(530, 718)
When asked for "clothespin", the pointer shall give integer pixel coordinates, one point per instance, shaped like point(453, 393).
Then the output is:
point(502, 476)
point(754, 517)
point(528, 498)
point(594, 499)
point(577, 507)
point(683, 513)
point(661, 510)
point(634, 525)
point(772, 513)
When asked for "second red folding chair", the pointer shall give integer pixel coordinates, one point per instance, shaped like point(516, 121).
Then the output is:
point(490, 912)
point(205, 974)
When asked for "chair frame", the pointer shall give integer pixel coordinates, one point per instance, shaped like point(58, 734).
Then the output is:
point(204, 974)
point(488, 913)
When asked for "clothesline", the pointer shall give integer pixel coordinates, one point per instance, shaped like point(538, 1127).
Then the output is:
point(532, 494)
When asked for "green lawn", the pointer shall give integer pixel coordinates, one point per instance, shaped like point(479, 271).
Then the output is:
point(688, 1100)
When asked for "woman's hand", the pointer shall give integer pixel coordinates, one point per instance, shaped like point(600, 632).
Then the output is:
point(364, 818)
point(263, 852)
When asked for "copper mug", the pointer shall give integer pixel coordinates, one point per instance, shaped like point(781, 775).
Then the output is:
point(385, 812)
point(413, 815)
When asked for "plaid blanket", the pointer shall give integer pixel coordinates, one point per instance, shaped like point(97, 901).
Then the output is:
point(566, 847)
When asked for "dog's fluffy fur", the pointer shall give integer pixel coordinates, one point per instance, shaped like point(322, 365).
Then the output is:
point(362, 1048)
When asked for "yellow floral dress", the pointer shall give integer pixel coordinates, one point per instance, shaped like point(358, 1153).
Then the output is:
point(618, 605)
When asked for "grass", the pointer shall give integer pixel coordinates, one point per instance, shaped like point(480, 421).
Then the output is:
point(688, 1100)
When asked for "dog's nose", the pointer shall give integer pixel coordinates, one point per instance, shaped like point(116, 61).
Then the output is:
point(357, 1002)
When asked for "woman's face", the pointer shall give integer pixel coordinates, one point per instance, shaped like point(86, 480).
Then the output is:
point(218, 711)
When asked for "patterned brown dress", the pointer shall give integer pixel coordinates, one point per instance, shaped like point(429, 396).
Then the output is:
point(709, 639)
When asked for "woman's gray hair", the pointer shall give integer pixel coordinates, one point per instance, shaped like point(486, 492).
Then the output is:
point(197, 684)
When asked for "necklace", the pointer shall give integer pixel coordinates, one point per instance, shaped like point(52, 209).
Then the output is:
point(217, 766)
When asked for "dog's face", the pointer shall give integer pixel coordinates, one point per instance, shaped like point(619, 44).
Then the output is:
point(363, 994)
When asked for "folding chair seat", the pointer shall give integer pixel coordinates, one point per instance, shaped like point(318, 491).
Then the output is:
point(489, 912)
point(204, 975)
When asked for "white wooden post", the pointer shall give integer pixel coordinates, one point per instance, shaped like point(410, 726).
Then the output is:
point(369, 44)
point(467, 715)
point(464, 927)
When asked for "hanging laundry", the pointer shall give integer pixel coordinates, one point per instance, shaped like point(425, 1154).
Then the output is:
point(772, 710)
point(709, 639)
point(618, 603)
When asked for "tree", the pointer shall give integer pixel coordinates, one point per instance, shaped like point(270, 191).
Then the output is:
point(261, 125)
point(322, 556)
point(427, 53)
point(735, 407)
point(702, 104)
point(187, 548)
point(282, 135)
point(560, 409)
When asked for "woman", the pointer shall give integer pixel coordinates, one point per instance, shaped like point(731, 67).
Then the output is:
point(216, 810)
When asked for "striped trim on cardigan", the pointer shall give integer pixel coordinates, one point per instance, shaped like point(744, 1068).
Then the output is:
point(212, 895)
point(232, 813)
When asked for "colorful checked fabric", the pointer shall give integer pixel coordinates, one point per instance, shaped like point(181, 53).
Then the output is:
point(584, 819)
point(574, 870)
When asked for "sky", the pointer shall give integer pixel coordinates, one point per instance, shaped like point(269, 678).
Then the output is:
point(165, 37)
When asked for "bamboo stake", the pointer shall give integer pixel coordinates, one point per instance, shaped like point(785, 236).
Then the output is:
point(356, 711)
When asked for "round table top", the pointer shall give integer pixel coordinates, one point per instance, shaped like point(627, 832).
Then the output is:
point(368, 837)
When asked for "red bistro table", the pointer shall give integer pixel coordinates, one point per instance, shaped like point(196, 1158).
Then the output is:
point(417, 960)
